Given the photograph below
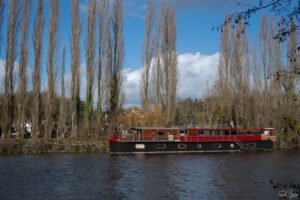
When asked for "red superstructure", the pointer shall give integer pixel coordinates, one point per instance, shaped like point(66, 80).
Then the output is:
point(197, 134)
point(176, 140)
point(228, 134)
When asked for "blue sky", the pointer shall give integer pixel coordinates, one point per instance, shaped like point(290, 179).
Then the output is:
point(195, 19)
point(197, 44)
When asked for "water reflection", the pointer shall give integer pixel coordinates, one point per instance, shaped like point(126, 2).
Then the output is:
point(189, 176)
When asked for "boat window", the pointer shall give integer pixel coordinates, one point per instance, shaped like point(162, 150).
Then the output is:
point(181, 146)
point(227, 132)
point(221, 132)
point(160, 133)
point(252, 145)
point(233, 132)
point(206, 132)
point(160, 146)
point(200, 132)
point(257, 133)
point(242, 133)
point(214, 132)
point(217, 146)
point(140, 146)
point(199, 146)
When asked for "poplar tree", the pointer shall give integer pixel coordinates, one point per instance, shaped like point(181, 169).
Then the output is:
point(75, 67)
point(62, 113)
point(11, 54)
point(90, 63)
point(51, 62)
point(24, 49)
point(38, 48)
point(117, 47)
point(103, 18)
point(148, 51)
point(2, 6)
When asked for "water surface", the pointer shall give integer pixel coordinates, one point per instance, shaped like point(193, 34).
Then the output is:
point(173, 176)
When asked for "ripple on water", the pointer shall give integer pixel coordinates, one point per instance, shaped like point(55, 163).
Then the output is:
point(190, 176)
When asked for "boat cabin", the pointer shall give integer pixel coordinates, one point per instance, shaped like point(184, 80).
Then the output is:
point(229, 132)
point(197, 134)
point(153, 134)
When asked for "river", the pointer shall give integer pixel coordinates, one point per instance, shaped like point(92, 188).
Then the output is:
point(176, 176)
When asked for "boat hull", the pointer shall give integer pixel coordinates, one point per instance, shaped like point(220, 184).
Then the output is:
point(151, 147)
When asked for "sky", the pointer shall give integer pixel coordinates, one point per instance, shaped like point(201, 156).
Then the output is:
point(197, 45)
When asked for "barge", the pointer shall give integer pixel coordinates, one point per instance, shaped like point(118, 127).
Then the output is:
point(191, 140)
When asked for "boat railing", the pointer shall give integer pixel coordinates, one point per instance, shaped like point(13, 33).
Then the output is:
point(209, 138)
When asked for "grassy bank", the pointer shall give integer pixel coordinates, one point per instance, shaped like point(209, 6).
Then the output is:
point(40, 146)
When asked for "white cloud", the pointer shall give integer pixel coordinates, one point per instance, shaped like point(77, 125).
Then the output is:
point(83, 7)
point(131, 87)
point(196, 72)
point(15, 75)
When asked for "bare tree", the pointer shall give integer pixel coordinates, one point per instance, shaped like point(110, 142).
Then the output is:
point(75, 67)
point(240, 76)
point(11, 54)
point(288, 10)
point(290, 79)
point(275, 62)
point(223, 84)
point(62, 113)
point(103, 30)
point(108, 70)
point(38, 47)
point(117, 61)
point(157, 76)
point(263, 38)
point(90, 63)
point(2, 6)
point(148, 50)
point(52, 48)
point(169, 58)
point(25, 25)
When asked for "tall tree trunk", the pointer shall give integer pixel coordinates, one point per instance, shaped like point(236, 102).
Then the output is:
point(223, 84)
point(169, 57)
point(240, 76)
point(75, 67)
point(90, 63)
point(11, 54)
point(117, 62)
point(62, 113)
point(107, 79)
point(103, 31)
point(25, 29)
point(38, 47)
point(147, 56)
point(2, 6)
point(51, 62)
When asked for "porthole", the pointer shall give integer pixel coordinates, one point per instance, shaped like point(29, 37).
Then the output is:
point(181, 146)
point(252, 145)
point(232, 145)
point(161, 146)
point(140, 146)
point(199, 146)
point(217, 146)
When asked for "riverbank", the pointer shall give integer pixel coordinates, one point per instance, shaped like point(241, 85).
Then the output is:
point(44, 146)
